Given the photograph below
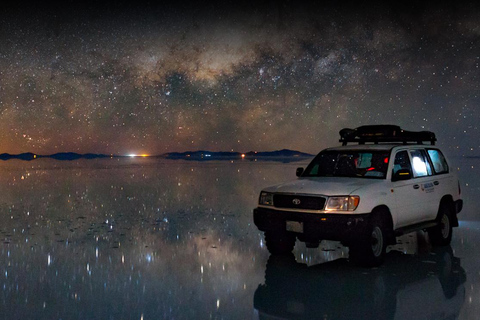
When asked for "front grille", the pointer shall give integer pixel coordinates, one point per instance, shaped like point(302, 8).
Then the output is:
point(298, 202)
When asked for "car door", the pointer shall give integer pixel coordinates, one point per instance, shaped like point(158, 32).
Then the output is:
point(406, 199)
point(428, 184)
point(444, 182)
point(414, 196)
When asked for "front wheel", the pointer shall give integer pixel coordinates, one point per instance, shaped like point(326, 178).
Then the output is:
point(441, 235)
point(279, 244)
point(370, 251)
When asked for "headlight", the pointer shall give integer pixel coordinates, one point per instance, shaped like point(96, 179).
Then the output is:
point(345, 203)
point(266, 199)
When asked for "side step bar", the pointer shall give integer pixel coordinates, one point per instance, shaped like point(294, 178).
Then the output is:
point(415, 227)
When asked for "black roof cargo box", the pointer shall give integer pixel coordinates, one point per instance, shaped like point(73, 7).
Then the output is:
point(385, 134)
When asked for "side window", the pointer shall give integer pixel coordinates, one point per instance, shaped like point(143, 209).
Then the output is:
point(401, 162)
point(438, 160)
point(420, 164)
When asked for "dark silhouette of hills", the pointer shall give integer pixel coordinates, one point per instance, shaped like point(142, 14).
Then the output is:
point(58, 156)
point(75, 156)
point(278, 153)
point(22, 156)
point(284, 155)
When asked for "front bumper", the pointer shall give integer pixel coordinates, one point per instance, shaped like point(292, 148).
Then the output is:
point(316, 226)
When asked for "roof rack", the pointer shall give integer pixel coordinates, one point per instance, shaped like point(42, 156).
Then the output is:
point(384, 134)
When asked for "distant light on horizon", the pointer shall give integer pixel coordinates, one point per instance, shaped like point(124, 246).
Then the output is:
point(138, 155)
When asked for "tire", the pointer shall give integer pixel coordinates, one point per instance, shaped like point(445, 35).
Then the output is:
point(447, 275)
point(441, 235)
point(279, 244)
point(279, 268)
point(370, 251)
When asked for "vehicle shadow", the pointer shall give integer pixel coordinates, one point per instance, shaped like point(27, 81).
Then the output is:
point(429, 285)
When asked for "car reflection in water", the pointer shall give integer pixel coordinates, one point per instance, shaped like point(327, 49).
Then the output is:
point(429, 285)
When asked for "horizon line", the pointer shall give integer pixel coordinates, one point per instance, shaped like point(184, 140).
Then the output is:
point(144, 154)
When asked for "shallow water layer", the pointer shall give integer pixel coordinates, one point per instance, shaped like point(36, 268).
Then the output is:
point(153, 239)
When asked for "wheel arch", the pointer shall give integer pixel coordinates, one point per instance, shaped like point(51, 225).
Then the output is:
point(383, 212)
point(447, 200)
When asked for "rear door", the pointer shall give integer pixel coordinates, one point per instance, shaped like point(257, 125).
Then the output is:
point(414, 197)
point(444, 182)
point(406, 198)
point(428, 184)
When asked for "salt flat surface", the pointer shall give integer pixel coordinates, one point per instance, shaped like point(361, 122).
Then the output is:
point(156, 239)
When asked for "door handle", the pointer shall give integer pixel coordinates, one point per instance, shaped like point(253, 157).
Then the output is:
point(436, 183)
point(416, 186)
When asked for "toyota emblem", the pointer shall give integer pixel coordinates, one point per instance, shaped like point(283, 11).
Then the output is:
point(296, 201)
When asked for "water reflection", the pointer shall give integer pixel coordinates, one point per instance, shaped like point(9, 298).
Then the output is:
point(125, 240)
point(108, 239)
point(407, 286)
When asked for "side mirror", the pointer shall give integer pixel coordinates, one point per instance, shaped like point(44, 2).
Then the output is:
point(402, 174)
point(299, 172)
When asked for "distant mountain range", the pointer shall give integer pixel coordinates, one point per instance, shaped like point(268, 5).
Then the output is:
point(28, 156)
point(285, 155)
point(203, 155)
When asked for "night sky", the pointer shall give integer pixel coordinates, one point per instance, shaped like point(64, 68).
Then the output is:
point(152, 78)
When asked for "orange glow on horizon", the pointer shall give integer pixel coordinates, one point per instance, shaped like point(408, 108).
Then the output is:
point(138, 155)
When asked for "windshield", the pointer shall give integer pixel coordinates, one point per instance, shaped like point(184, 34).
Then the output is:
point(349, 163)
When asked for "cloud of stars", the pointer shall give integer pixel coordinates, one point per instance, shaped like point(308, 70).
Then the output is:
point(155, 79)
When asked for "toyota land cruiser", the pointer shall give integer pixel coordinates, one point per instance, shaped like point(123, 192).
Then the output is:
point(381, 183)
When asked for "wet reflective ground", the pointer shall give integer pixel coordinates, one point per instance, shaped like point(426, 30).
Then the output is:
point(156, 239)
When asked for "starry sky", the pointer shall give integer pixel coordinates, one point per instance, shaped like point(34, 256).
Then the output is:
point(152, 78)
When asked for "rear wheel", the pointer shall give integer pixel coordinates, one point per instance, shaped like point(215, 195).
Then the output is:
point(279, 244)
point(441, 235)
point(370, 251)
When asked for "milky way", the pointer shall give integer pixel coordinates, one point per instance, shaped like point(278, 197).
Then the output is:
point(151, 79)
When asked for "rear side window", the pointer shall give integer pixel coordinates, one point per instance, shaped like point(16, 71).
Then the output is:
point(420, 164)
point(438, 160)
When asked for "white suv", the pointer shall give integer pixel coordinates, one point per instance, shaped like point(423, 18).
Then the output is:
point(386, 184)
